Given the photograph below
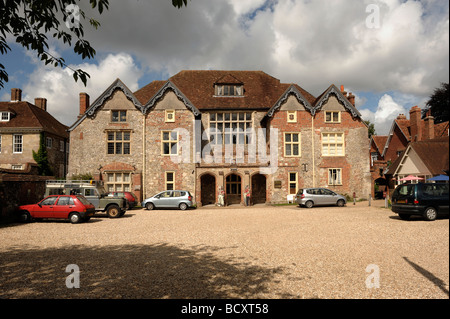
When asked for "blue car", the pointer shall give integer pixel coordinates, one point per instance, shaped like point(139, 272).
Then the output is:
point(169, 199)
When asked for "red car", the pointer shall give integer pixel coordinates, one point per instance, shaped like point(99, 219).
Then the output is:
point(76, 208)
point(129, 196)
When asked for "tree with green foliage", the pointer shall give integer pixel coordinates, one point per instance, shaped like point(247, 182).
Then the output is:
point(31, 22)
point(41, 158)
point(371, 127)
point(439, 104)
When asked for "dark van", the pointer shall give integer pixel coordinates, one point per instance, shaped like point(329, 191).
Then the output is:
point(425, 199)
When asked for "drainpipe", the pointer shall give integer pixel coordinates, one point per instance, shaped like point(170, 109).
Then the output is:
point(313, 152)
point(143, 158)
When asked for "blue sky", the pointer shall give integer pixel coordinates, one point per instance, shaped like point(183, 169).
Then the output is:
point(314, 43)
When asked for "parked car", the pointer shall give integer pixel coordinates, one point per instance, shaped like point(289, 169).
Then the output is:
point(425, 199)
point(130, 197)
point(94, 192)
point(310, 197)
point(169, 199)
point(75, 208)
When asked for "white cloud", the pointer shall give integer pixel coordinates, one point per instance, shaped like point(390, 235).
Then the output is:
point(312, 43)
point(387, 110)
point(62, 93)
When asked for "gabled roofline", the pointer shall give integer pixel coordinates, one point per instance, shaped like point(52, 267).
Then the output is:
point(391, 133)
point(116, 85)
point(341, 98)
point(294, 91)
point(169, 85)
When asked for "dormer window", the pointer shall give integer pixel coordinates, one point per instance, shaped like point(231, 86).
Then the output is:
point(229, 90)
point(5, 116)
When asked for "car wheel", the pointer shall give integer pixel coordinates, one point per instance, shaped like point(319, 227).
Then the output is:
point(309, 204)
point(341, 203)
point(183, 206)
point(430, 214)
point(75, 218)
point(24, 217)
point(149, 206)
point(113, 211)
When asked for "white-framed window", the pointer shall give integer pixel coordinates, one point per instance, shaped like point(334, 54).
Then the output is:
point(49, 142)
point(17, 143)
point(230, 128)
point(5, 116)
point(118, 182)
point(229, 90)
point(292, 116)
point(335, 176)
point(169, 143)
point(293, 183)
point(292, 142)
point(17, 167)
point(118, 142)
point(170, 116)
point(170, 181)
point(332, 117)
point(333, 144)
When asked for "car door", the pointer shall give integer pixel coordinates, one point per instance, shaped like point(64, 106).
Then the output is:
point(63, 207)
point(45, 208)
point(163, 199)
point(92, 196)
point(328, 197)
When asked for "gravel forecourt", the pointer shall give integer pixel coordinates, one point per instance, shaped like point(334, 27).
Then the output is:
point(261, 252)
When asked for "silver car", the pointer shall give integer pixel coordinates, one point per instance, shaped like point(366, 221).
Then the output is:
point(169, 199)
point(310, 197)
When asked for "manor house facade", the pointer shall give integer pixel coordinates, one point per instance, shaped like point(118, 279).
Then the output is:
point(205, 130)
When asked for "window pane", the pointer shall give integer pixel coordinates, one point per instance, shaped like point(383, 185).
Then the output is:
point(295, 149)
point(292, 177)
point(118, 148)
point(126, 148)
point(241, 116)
point(126, 136)
point(220, 117)
point(110, 148)
point(123, 116)
point(327, 116)
point(288, 138)
point(169, 176)
point(174, 135)
point(212, 117)
point(295, 137)
point(165, 136)
point(288, 150)
point(115, 116)
point(166, 148)
point(336, 117)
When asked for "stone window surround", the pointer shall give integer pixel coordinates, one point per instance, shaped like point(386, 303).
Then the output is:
point(335, 176)
point(338, 151)
point(17, 144)
point(290, 144)
point(123, 141)
point(292, 182)
point(332, 117)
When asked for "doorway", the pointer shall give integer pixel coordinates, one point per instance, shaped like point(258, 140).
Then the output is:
point(259, 192)
point(233, 189)
point(208, 189)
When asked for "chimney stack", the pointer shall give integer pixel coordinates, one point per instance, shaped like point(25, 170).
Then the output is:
point(351, 98)
point(41, 103)
point(343, 91)
point(16, 95)
point(84, 103)
point(428, 128)
point(415, 115)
